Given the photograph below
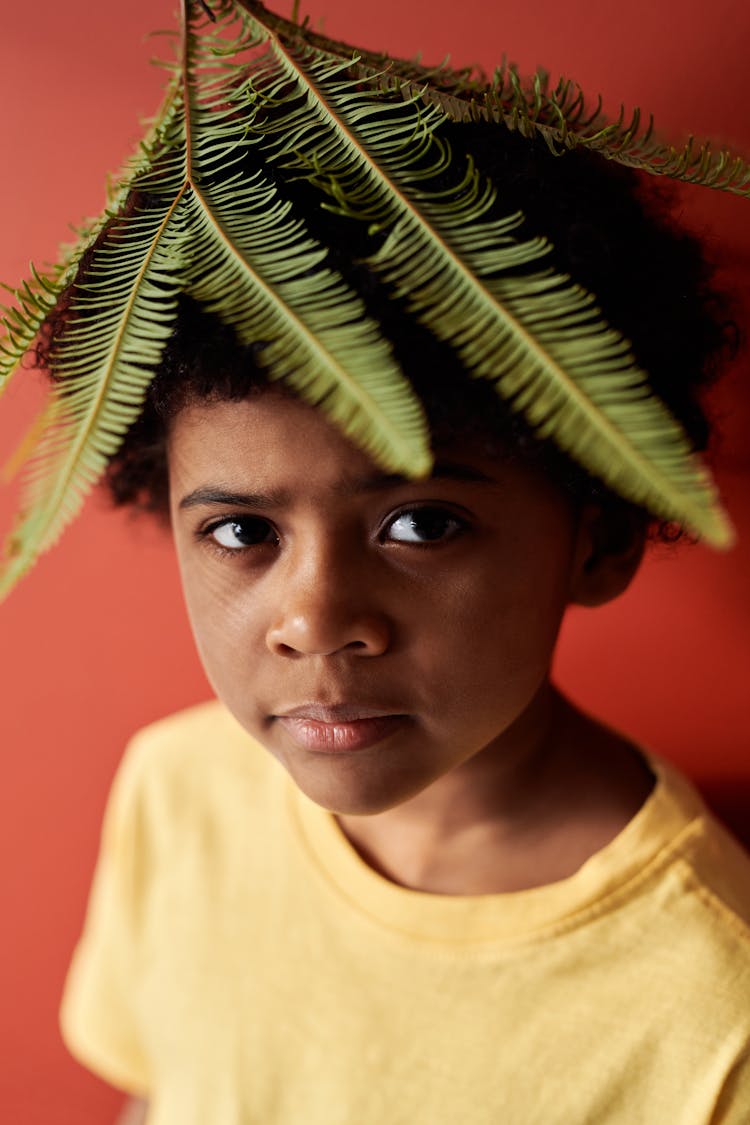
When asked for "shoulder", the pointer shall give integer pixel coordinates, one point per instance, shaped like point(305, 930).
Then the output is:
point(201, 724)
point(716, 870)
point(699, 925)
point(205, 737)
point(703, 949)
point(713, 864)
point(192, 767)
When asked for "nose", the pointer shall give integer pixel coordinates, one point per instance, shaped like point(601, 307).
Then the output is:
point(325, 604)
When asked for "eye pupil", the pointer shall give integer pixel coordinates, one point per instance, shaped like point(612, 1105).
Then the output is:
point(431, 524)
point(241, 531)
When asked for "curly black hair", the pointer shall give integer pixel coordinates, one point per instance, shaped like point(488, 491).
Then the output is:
point(611, 229)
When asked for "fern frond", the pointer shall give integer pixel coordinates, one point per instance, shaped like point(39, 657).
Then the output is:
point(21, 322)
point(187, 217)
point(539, 338)
point(118, 323)
point(37, 297)
point(105, 364)
point(231, 242)
point(560, 114)
point(255, 265)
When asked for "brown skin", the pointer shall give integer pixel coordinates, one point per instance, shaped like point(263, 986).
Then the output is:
point(327, 585)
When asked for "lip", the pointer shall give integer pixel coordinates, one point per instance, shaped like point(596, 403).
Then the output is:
point(338, 728)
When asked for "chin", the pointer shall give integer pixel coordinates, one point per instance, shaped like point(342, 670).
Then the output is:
point(350, 793)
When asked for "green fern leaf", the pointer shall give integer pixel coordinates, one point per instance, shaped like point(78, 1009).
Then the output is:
point(120, 317)
point(362, 129)
point(560, 114)
point(540, 339)
point(105, 364)
point(21, 322)
point(254, 264)
point(36, 298)
point(232, 244)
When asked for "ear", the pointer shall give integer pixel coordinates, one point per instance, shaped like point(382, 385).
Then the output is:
point(609, 548)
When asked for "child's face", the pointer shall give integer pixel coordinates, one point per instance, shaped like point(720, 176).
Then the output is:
point(374, 634)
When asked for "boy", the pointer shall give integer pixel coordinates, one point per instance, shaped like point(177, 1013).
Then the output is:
point(394, 875)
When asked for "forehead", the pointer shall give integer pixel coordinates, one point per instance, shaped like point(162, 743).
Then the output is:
point(267, 432)
point(273, 441)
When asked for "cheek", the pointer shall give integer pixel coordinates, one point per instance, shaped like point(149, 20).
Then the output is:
point(493, 636)
point(227, 636)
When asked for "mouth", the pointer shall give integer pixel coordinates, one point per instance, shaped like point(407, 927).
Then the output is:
point(338, 728)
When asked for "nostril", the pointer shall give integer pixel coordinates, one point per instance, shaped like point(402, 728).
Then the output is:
point(323, 635)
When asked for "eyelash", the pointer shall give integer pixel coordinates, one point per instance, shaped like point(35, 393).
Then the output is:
point(459, 526)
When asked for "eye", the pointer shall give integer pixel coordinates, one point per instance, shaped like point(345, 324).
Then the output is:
point(424, 525)
point(240, 532)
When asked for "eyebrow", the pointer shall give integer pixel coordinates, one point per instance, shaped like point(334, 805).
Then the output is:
point(265, 501)
point(226, 497)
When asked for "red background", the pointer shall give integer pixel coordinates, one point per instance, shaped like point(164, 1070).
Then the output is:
point(94, 643)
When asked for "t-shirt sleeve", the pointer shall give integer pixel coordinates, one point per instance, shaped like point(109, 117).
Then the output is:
point(99, 1016)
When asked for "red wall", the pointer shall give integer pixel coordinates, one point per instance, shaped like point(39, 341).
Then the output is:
point(94, 643)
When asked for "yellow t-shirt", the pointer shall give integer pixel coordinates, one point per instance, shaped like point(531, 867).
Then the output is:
point(241, 964)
